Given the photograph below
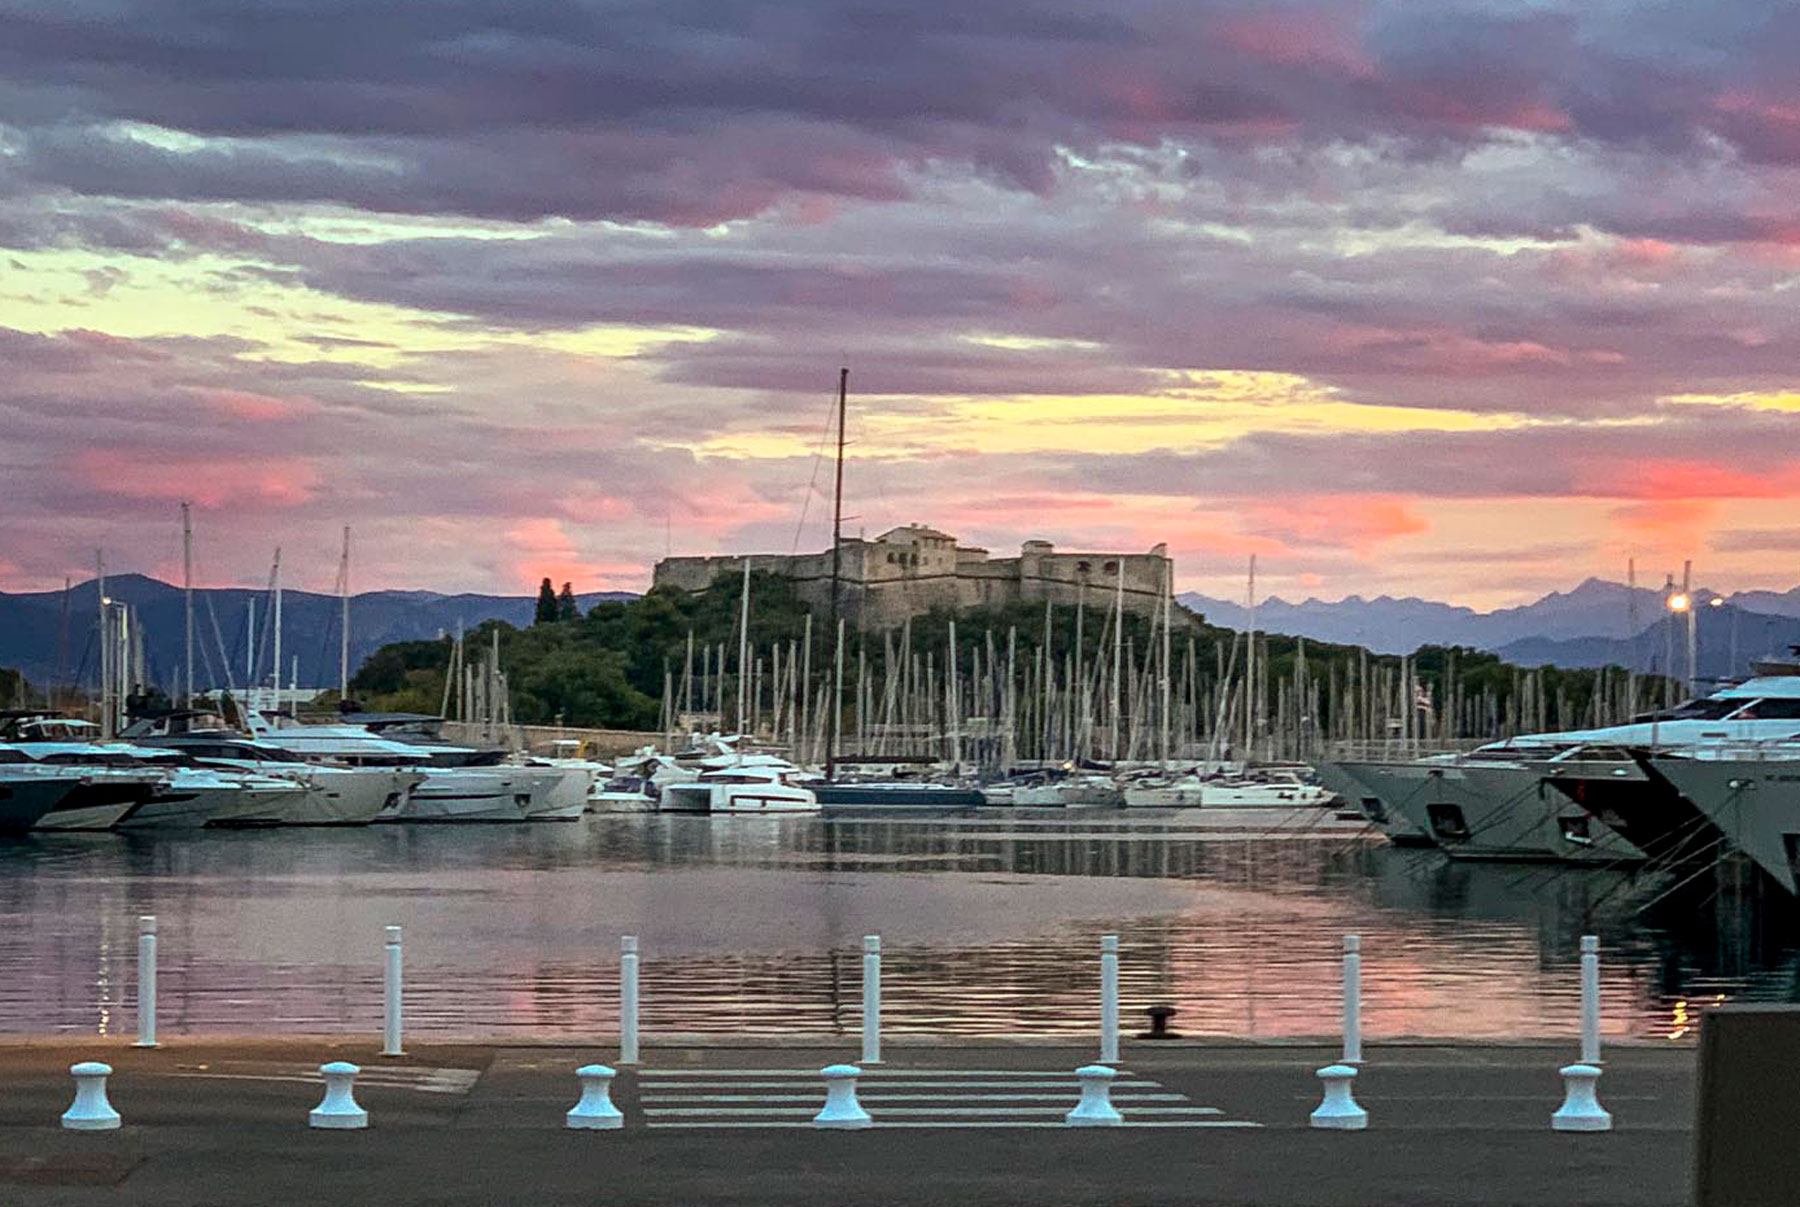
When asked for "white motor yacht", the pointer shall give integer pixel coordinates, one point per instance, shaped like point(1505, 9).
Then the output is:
point(99, 795)
point(29, 793)
point(749, 789)
point(1074, 792)
point(623, 794)
point(1273, 789)
point(335, 795)
point(452, 788)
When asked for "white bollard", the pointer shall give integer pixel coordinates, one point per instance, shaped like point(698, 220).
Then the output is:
point(1109, 999)
point(339, 1109)
point(871, 1020)
point(91, 1111)
point(1339, 1109)
point(628, 1000)
point(390, 1022)
point(595, 1111)
point(842, 1110)
point(1095, 1108)
point(1590, 999)
point(1352, 1000)
point(1581, 1110)
point(146, 1020)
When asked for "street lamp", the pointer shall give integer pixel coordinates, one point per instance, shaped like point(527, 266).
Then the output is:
point(1683, 604)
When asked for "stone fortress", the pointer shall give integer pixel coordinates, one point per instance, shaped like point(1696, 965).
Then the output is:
point(915, 569)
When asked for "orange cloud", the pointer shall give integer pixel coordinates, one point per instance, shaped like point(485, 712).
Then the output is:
point(1355, 522)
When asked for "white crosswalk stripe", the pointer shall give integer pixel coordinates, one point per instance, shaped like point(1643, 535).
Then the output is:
point(420, 1080)
point(905, 1098)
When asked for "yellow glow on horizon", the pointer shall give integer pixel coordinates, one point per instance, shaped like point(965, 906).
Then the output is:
point(57, 291)
point(1217, 409)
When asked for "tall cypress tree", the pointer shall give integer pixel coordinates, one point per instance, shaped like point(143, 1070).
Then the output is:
point(546, 604)
point(565, 604)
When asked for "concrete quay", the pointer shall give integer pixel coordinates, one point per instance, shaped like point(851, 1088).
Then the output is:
point(225, 1122)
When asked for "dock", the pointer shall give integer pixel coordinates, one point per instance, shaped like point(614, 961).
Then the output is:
point(221, 1121)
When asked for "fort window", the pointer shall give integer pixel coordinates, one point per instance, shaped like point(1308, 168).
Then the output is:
point(1112, 567)
point(1083, 567)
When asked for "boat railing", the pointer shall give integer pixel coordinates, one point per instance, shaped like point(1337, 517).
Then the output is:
point(1386, 750)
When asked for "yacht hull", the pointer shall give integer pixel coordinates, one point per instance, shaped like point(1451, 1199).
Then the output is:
point(557, 793)
point(1644, 808)
point(100, 802)
point(464, 794)
point(1492, 811)
point(26, 800)
point(193, 806)
point(1754, 803)
point(1347, 781)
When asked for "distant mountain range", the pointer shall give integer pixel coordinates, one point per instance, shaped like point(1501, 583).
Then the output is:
point(31, 627)
point(1587, 626)
point(1591, 625)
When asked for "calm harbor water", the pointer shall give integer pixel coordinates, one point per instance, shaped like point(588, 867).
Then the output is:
point(754, 925)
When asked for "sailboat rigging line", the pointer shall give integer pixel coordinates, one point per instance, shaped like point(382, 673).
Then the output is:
point(812, 484)
point(1691, 877)
point(836, 626)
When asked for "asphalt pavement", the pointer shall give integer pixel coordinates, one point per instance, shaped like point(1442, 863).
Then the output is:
point(452, 1124)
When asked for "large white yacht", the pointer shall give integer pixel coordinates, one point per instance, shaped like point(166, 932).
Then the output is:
point(1580, 794)
point(459, 784)
point(105, 793)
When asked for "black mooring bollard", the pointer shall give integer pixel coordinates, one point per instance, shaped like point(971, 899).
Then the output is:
point(1159, 1023)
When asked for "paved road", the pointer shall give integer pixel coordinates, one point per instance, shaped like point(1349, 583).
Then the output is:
point(462, 1124)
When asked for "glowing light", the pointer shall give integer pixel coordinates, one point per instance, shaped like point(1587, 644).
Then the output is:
point(1679, 603)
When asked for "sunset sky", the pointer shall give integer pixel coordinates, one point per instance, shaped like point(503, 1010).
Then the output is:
point(1465, 301)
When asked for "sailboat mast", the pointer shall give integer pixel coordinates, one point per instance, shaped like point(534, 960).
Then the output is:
point(1250, 700)
point(187, 601)
point(275, 633)
point(106, 678)
point(344, 620)
point(743, 675)
point(837, 559)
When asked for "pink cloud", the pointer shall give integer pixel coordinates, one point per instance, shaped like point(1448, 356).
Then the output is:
point(253, 407)
point(206, 482)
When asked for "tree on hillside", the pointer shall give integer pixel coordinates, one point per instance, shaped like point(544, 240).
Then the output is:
point(565, 604)
point(546, 604)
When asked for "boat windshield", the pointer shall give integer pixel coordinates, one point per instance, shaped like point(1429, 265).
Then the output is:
point(1695, 710)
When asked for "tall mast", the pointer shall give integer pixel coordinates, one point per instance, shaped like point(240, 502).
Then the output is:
point(743, 675)
point(275, 634)
point(106, 684)
point(344, 620)
point(1250, 701)
point(837, 560)
point(62, 641)
point(1168, 611)
point(187, 600)
point(1118, 655)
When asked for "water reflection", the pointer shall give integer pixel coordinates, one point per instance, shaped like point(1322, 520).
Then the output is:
point(753, 925)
